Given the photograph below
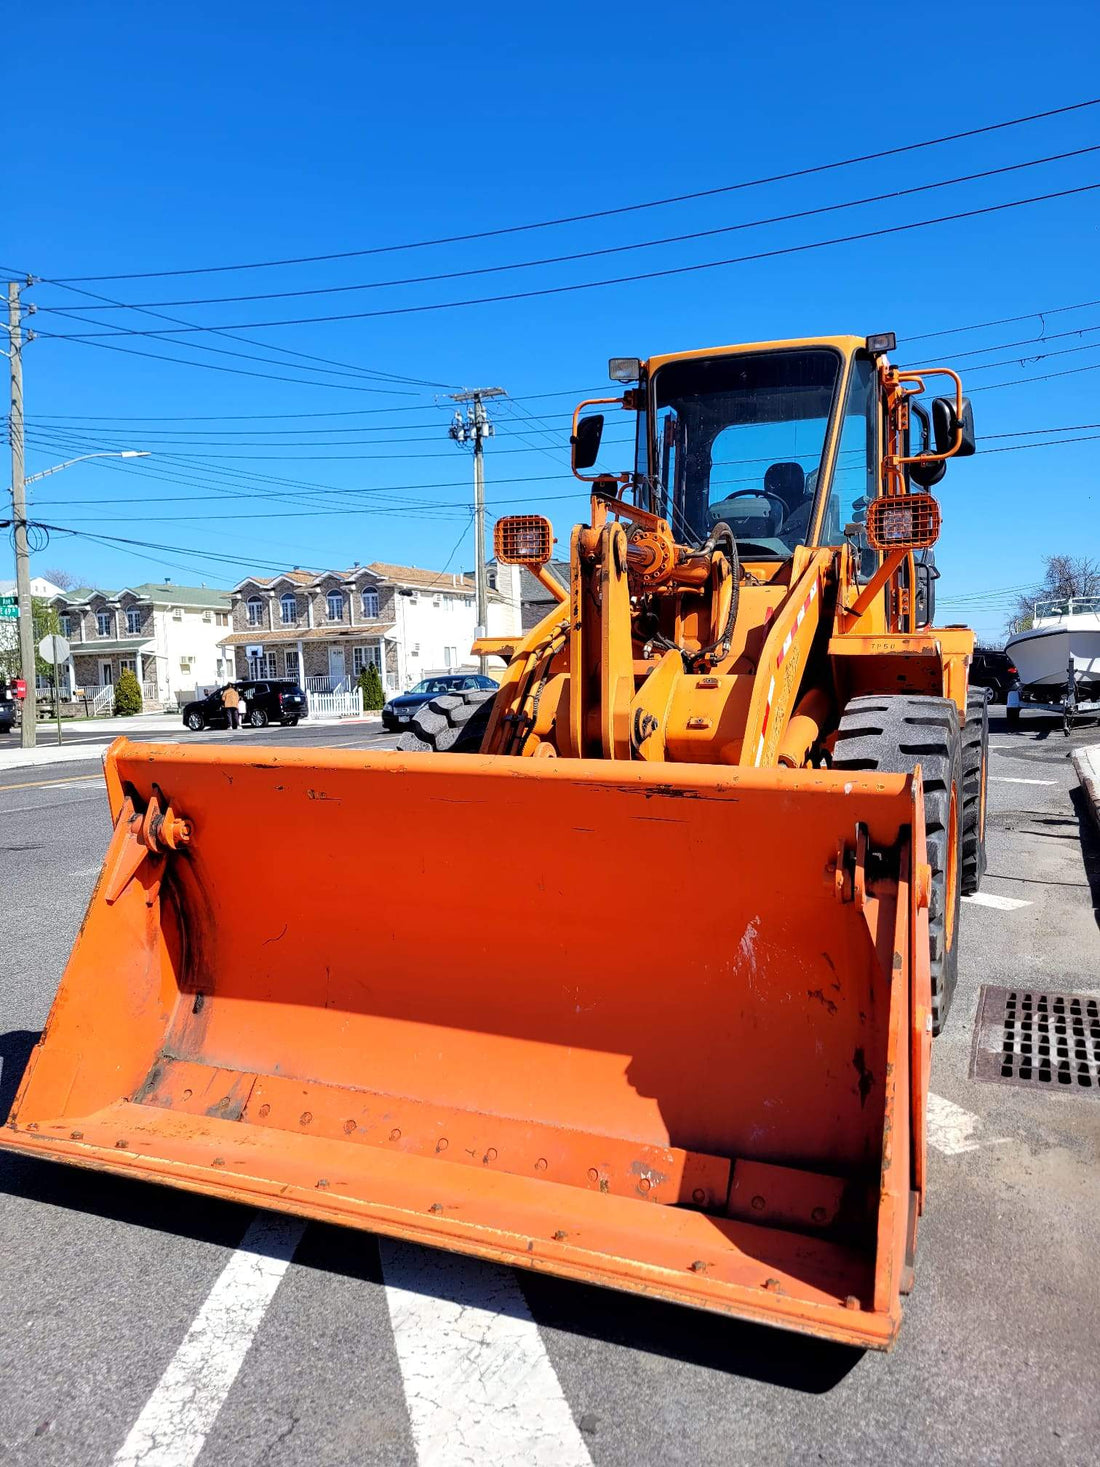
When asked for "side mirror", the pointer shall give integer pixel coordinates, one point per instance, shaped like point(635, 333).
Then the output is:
point(926, 475)
point(586, 441)
point(946, 424)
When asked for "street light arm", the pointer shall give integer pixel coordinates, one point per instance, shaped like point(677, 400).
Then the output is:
point(110, 453)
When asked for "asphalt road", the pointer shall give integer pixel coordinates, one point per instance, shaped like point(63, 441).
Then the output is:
point(360, 1352)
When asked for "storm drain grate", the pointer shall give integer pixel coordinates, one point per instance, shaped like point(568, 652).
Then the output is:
point(1047, 1041)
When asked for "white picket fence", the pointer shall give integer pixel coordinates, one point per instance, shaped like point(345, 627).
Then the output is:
point(336, 705)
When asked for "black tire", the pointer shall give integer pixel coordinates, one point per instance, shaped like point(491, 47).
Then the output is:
point(291, 722)
point(258, 718)
point(195, 722)
point(894, 734)
point(1012, 716)
point(975, 757)
point(454, 723)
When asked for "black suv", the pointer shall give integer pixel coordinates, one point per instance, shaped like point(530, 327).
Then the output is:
point(7, 710)
point(993, 670)
point(266, 701)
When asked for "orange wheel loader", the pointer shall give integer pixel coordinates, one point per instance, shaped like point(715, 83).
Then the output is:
point(644, 990)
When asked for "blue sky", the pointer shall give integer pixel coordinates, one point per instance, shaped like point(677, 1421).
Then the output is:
point(155, 138)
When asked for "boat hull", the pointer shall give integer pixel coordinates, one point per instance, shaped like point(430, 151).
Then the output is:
point(1042, 654)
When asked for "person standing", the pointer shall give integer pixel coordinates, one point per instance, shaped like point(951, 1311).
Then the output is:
point(231, 702)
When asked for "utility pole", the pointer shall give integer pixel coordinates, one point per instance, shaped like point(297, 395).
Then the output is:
point(29, 727)
point(474, 426)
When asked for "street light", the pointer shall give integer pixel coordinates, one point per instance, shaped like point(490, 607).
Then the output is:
point(108, 453)
point(29, 721)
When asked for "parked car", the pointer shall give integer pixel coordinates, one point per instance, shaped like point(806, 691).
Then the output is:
point(397, 712)
point(7, 710)
point(993, 670)
point(267, 701)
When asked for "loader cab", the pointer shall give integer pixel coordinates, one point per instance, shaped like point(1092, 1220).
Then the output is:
point(747, 438)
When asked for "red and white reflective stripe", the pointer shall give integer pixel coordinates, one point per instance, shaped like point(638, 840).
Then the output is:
point(780, 655)
point(789, 638)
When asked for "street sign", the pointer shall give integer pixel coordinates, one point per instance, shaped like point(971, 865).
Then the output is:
point(53, 649)
point(9, 612)
point(8, 600)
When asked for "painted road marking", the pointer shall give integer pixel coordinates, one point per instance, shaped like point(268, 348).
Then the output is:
point(951, 1129)
point(479, 1384)
point(176, 1419)
point(1006, 779)
point(41, 784)
point(1002, 904)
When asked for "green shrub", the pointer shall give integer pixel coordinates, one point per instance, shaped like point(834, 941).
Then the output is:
point(127, 694)
point(370, 685)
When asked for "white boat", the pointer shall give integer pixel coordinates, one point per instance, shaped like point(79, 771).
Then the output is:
point(1062, 634)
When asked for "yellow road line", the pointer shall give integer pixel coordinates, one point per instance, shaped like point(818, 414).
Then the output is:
point(38, 784)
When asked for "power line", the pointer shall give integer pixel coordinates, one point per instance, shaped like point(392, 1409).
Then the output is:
point(93, 338)
point(329, 367)
point(324, 290)
point(598, 213)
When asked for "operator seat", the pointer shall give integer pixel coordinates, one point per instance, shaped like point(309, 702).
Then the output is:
point(788, 481)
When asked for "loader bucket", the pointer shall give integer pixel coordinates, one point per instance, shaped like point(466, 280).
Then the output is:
point(658, 1027)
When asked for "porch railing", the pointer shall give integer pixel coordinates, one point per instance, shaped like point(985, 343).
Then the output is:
point(329, 684)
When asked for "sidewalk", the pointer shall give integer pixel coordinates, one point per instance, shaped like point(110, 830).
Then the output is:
point(1087, 764)
point(47, 751)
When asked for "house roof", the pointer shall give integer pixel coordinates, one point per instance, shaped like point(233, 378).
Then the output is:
point(532, 589)
point(112, 646)
point(410, 576)
point(163, 593)
point(262, 637)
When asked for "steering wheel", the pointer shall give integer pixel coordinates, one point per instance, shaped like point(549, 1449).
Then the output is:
point(761, 494)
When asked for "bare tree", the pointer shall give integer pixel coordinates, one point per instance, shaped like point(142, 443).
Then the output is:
point(1065, 576)
point(62, 578)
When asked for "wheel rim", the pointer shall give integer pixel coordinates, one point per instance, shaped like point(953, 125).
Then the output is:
point(952, 872)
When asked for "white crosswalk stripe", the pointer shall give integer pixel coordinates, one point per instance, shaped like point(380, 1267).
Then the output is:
point(999, 903)
point(480, 1387)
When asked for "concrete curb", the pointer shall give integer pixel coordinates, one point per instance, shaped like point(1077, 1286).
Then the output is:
point(67, 754)
point(1087, 764)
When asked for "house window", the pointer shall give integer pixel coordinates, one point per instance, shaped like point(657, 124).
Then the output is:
point(186, 664)
point(221, 618)
point(128, 664)
point(288, 610)
point(66, 624)
point(267, 665)
point(437, 600)
point(292, 665)
point(103, 623)
point(177, 613)
point(255, 611)
point(335, 601)
point(133, 621)
point(208, 617)
point(221, 668)
point(370, 603)
point(363, 657)
point(450, 656)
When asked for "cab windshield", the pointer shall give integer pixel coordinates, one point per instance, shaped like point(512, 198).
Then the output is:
point(740, 439)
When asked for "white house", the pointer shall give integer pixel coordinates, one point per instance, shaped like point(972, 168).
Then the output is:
point(9, 627)
point(170, 636)
point(323, 629)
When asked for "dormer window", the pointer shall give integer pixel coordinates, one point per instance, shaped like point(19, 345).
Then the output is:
point(133, 621)
point(335, 602)
point(103, 623)
point(370, 603)
point(288, 609)
point(255, 607)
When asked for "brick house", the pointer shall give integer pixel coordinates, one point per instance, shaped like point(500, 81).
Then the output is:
point(323, 629)
point(168, 635)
